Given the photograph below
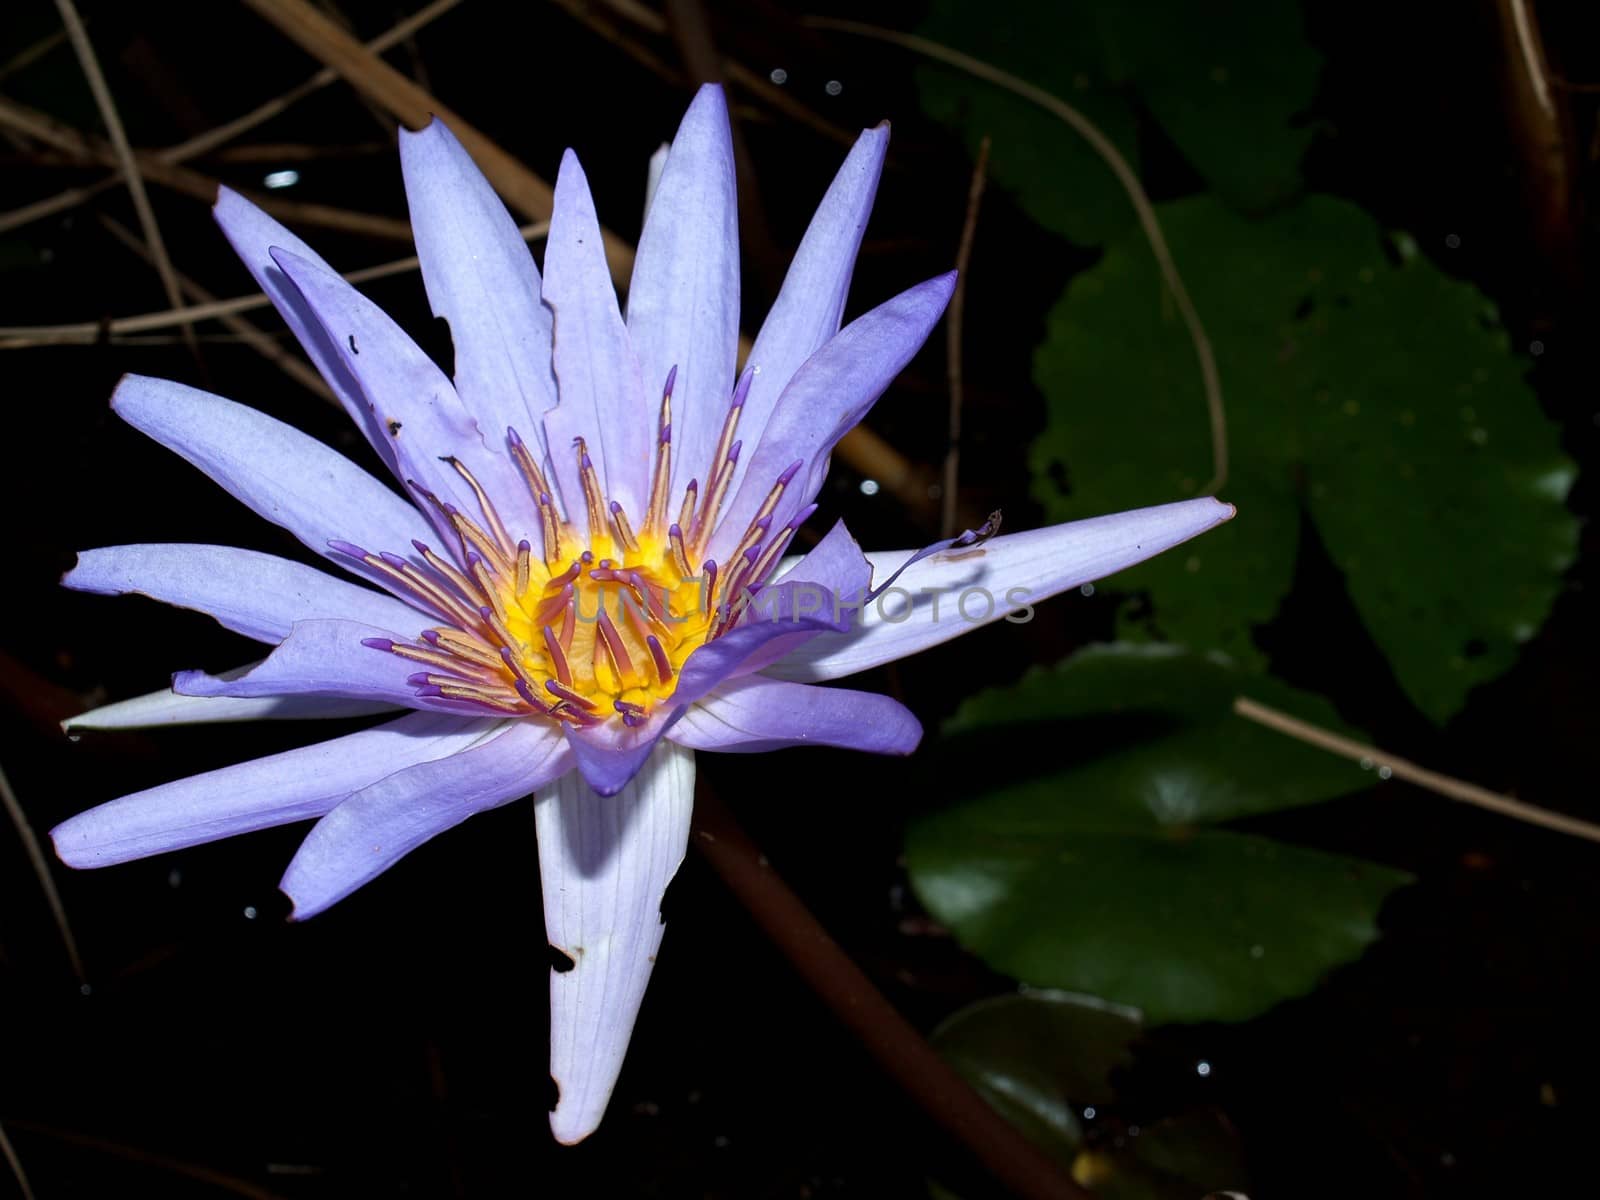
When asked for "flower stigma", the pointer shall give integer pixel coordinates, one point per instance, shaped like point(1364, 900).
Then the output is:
point(597, 622)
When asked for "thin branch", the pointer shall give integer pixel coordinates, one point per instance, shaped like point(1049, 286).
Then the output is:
point(952, 329)
point(212, 138)
point(125, 159)
point(10, 1153)
point(753, 82)
point(18, 337)
point(60, 202)
point(584, 12)
point(258, 341)
point(45, 128)
point(28, 55)
point(1104, 147)
point(1016, 1162)
point(1391, 765)
point(220, 1180)
point(41, 868)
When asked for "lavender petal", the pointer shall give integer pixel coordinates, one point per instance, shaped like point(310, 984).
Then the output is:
point(280, 473)
point(603, 397)
point(293, 786)
point(480, 277)
point(754, 714)
point(1000, 577)
point(324, 658)
point(810, 304)
point(683, 304)
point(257, 595)
point(252, 233)
point(426, 422)
point(826, 398)
point(383, 822)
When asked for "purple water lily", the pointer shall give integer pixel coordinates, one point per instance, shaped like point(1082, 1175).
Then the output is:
point(583, 582)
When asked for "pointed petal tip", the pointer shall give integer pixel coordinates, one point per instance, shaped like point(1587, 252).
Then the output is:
point(60, 842)
point(570, 1129)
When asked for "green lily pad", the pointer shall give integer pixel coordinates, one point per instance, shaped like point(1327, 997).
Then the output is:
point(1226, 82)
point(1364, 389)
point(1106, 875)
point(1049, 1063)
point(1039, 1057)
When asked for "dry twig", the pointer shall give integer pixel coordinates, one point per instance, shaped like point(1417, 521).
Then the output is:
point(1399, 768)
point(952, 328)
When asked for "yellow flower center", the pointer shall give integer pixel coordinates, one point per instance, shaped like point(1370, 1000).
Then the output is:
point(592, 628)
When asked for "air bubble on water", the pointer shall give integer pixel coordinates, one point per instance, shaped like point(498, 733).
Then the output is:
point(1087, 589)
point(1366, 764)
point(1385, 772)
point(779, 76)
point(833, 87)
point(249, 912)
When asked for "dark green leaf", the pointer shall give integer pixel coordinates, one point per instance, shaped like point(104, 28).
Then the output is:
point(1100, 877)
point(1042, 1058)
point(1375, 396)
point(1225, 81)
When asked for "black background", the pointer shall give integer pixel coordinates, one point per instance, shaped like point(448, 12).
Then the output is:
point(396, 1045)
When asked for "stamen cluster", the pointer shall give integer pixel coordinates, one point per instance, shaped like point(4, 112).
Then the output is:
point(590, 628)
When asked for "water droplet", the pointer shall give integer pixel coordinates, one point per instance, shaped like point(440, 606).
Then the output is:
point(1366, 764)
point(1202, 1069)
point(1385, 772)
point(249, 912)
point(85, 989)
point(281, 179)
point(869, 487)
point(1087, 589)
point(1257, 950)
point(779, 76)
point(1453, 241)
point(1088, 1113)
point(833, 87)
point(1536, 348)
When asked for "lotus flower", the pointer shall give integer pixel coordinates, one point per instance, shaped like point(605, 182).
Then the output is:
point(578, 581)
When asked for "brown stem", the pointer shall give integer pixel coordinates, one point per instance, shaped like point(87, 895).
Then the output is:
point(1400, 768)
point(889, 1037)
point(952, 326)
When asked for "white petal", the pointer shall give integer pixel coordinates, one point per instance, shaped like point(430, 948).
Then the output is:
point(604, 864)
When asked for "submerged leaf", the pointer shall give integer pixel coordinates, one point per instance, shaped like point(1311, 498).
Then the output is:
point(1101, 875)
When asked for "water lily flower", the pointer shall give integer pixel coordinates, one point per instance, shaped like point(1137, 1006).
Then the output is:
point(577, 581)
